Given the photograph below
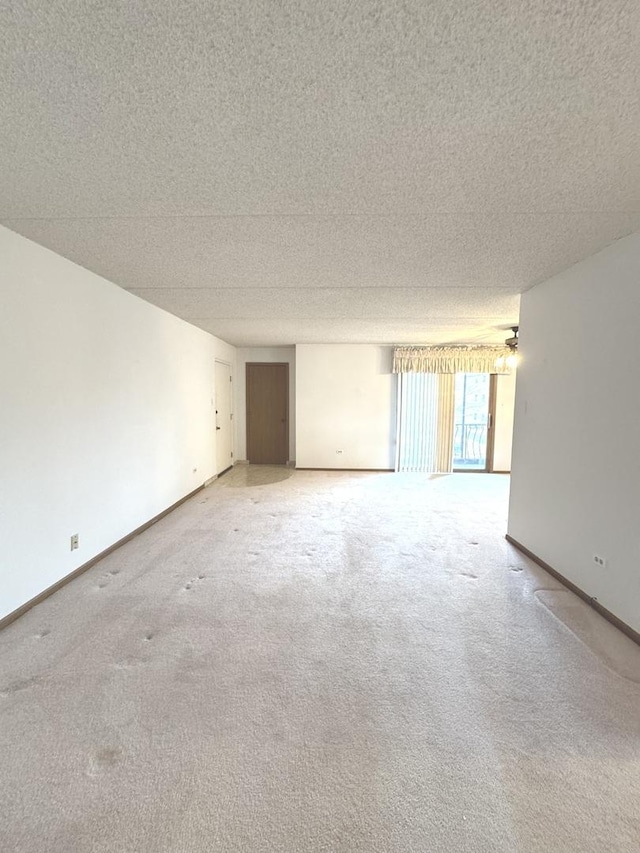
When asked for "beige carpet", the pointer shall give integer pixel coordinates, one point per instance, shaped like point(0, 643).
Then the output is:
point(355, 663)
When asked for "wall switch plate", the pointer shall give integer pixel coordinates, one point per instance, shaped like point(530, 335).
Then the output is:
point(75, 541)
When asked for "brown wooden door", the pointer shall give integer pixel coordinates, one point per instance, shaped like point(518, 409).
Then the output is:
point(267, 413)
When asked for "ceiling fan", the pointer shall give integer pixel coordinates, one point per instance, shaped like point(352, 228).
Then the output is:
point(512, 342)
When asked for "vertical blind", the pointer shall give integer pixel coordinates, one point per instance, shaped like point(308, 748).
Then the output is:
point(446, 412)
point(425, 422)
point(417, 422)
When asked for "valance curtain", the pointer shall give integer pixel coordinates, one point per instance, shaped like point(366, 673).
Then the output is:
point(470, 359)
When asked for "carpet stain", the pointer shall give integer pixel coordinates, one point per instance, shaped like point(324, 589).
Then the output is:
point(469, 575)
point(194, 581)
point(104, 760)
point(44, 633)
point(19, 685)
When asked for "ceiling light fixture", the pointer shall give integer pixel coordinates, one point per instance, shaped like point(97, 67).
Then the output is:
point(511, 360)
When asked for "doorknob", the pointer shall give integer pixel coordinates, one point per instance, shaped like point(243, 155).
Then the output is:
point(218, 427)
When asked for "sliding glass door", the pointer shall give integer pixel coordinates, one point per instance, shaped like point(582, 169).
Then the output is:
point(472, 435)
point(447, 422)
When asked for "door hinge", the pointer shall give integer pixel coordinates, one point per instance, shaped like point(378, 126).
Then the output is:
point(231, 416)
point(232, 454)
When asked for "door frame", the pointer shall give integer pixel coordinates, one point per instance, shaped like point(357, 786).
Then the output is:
point(491, 422)
point(228, 364)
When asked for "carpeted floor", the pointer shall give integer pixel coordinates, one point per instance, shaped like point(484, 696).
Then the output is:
point(355, 663)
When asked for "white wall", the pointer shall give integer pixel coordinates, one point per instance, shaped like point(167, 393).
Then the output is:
point(503, 432)
point(222, 351)
point(262, 354)
point(575, 488)
point(106, 415)
point(345, 400)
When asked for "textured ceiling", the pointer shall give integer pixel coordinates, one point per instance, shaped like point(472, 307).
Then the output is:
point(314, 172)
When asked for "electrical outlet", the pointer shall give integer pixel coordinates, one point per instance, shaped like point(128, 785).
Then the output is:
point(600, 561)
point(75, 541)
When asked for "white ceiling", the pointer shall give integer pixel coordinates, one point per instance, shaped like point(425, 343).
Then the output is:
point(297, 172)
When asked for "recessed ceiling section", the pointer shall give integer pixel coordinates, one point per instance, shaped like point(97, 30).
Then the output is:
point(307, 304)
point(382, 315)
point(432, 250)
point(415, 331)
